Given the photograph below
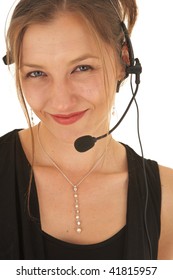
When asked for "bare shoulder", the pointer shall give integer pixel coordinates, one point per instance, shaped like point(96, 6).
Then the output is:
point(166, 238)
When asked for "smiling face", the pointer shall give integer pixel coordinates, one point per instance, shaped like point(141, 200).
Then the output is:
point(62, 77)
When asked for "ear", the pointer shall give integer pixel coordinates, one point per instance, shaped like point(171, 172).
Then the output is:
point(125, 54)
point(125, 62)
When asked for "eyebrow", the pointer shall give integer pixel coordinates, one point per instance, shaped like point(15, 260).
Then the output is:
point(78, 59)
point(31, 65)
point(83, 57)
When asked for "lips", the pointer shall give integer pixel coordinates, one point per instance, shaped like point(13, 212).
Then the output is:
point(67, 119)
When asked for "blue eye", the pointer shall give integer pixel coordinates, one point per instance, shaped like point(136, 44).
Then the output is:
point(83, 68)
point(36, 74)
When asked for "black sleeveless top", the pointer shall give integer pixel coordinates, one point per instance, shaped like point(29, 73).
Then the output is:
point(21, 236)
point(110, 249)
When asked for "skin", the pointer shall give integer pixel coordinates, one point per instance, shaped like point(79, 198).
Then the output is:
point(62, 73)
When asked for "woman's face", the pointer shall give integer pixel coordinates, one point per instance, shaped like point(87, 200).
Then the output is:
point(62, 77)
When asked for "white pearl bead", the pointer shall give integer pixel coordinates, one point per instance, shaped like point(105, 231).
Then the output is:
point(79, 230)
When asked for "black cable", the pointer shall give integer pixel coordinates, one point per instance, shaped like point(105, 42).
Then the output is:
point(144, 170)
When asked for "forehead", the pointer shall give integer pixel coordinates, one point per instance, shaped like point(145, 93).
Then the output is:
point(66, 34)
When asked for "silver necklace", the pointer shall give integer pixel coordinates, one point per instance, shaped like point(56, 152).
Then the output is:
point(78, 226)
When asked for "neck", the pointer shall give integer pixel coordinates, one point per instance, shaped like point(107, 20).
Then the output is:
point(64, 153)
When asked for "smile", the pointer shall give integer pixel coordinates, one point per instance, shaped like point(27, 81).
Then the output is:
point(67, 119)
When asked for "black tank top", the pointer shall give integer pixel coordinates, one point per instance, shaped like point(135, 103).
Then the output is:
point(21, 236)
point(110, 249)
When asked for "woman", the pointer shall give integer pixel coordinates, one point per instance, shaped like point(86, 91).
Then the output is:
point(56, 203)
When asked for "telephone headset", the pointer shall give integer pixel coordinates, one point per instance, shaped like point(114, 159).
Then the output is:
point(85, 143)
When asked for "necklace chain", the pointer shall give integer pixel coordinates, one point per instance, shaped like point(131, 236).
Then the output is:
point(75, 186)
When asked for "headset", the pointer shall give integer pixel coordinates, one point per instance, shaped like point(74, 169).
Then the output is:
point(86, 142)
point(5, 60)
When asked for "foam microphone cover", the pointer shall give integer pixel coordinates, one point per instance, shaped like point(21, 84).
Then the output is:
point(85, 143)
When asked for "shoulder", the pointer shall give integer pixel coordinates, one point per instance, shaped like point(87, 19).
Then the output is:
point(166, 175)
point(7, 149)
point(8, 137)
point(166, 238)
point(6, 140)
point(139, 165)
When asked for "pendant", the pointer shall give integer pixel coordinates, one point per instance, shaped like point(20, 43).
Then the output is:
point(77, 211)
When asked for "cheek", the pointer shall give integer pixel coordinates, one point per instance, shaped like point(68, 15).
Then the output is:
point(91, 88)
point(34, 94)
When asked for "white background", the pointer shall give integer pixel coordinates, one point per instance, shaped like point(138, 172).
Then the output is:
point(152, 44)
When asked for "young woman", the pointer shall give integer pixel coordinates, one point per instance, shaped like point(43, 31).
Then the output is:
point(70, 57)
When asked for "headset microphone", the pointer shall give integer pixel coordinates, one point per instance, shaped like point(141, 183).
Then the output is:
point(85, 143)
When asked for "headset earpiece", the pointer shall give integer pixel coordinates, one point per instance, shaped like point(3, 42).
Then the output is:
point(133, 66)
point(5, 60)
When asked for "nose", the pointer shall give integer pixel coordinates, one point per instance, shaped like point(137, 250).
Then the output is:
point(63, 96)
